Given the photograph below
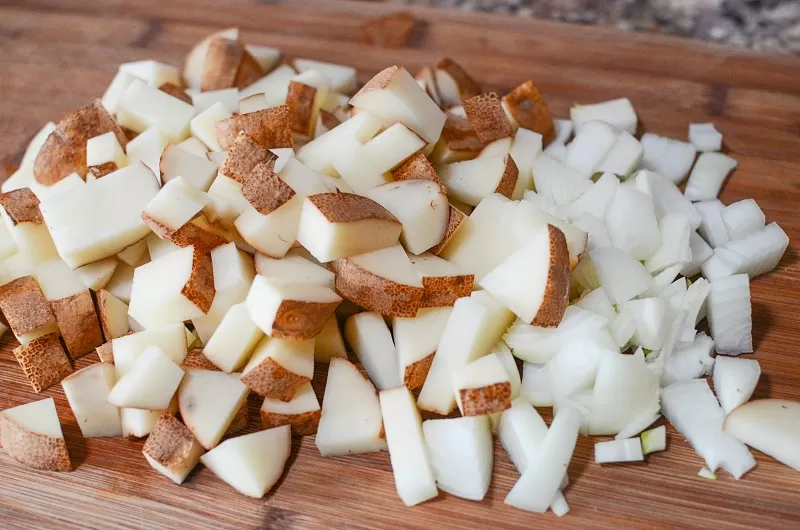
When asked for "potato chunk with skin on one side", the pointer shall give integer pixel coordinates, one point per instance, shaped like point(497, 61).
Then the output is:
point(44, 361)
point(171, 449)
point(278, 367)
point(87, 392)
point(302, 413)
point(338, 225)
point(290, 311)
point(31, 435)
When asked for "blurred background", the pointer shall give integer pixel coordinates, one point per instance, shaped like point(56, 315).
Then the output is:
point(764, 25)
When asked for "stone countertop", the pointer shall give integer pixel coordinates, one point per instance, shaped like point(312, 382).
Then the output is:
point(766, 25)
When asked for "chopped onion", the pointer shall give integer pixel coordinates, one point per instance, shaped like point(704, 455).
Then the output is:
point(596, 199)
point(654, 440)
point(705, 137)
point(617, 112)
point(671, 158)
point(712, 227)
point(707, 176)
point(735, 379)
point(689, 362)
point(622, 276)
point(590, 145)
point(694, 411)
point(729, 315)
point(674, 248)
point(667, 198)
point(628, 450)
point(632, 223)
point(743, 218)
point(707, 474)
point(536, 385)
point(623, 158)
point(701, 252)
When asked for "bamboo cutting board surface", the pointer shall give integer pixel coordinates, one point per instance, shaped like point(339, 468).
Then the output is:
point(58, 56)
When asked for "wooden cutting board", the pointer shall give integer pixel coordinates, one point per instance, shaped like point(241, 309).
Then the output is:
point(57, 56)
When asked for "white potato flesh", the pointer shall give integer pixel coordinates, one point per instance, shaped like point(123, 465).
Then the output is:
point(154, 73)
point(87, 393)
point(195, 169)
point(138, 423)
point(418, 337)
point(157, 297)
point(134, 254)
point(483, 372)
point(391, 263)
point(366, 168)
point(39, 417)
point(475, 325)
point(351, 420)
point(252, 103)
point(343, 78)
point(294, 268)
point(194, 146)
point(370, 339)
point(421, 207)
point(402, 100)
point(266, 295)
point(103, 149)
point(413, 476)
point(113, 313)
point(122, 80)
point(296, 356)
point(203, 126)
point(101, 218)
point(176, 203)
point(274, 233)
point(147, 149)
point(57, 280)
point(229, 97)
point(520, 282)
point(170, 339)
point(142, 106)
point(96, 275)
point(484, 239)
point(305, 400)
point(251, 463)
point(274, 85)
point(471, 181)
point(625, 389)
point(208, 402)
point(461, 455)
point(149, 384)
point(338, 143)
point(234, 340)
point(233, 274)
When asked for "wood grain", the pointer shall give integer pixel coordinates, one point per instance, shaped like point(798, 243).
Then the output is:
point(58, 56)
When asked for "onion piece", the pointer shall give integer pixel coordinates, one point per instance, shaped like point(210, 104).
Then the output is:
point(536, 385)
point(667, 198)
point(538, 345)
point(693, 302)
point(694, 411)
point(632, 223)
point(617, 112)
point(729, 315)
point(596, 199)
point(627, 450)
point(597, 235)
point(707, 176)
point(712, 227)
point(654, 440)
point(623, 158)
point(701, 252)
point(624, 390)
point(674, 248)
point(638, 425)
point(590, 145)
point(707, 474)
point(705, 137)
point(771, 426)
point(690, 362)
point(597, 301)
point(735, 379)
point(743, 218)
point(671, 158)
point(539, 484)
point(622, 276)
